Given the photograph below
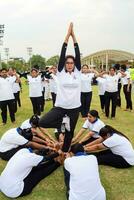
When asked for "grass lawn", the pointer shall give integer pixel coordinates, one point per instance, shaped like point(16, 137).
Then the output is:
point(119, 184)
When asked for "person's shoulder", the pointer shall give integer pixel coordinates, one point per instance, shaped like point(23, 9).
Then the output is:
point(39, 76)
point(115, 135)
point(62, 72)
point(91, 157)
point(87, 122)
point(29, 77)
point(23, 151)
point(99, 120)
point(9, 134)
point(76, 71)
point(68, 160)
point(12, 130)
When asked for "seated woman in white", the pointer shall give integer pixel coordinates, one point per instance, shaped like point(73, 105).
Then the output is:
point(116, 149)
point(93, 124)
point(16, 138)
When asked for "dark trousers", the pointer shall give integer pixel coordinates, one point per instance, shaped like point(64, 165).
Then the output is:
point(53, 97)
point(102, 101)
point(53, 119)
point(119, 95)
point(10, 105)
point(88, 141)
point(37, 174)
point(86, 98)
point(42, 101)
point(110, 96)
point(8, 154)
point(108, 158)
point(17, 101)
point(67, 181)
point(36, 103)
point(128, 96)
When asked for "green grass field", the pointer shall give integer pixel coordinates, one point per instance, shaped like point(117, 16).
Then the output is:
point(119, 184)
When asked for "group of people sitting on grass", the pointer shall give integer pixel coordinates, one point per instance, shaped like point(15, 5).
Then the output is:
point(33, 153)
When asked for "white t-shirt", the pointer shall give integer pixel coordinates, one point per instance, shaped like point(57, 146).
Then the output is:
point(86, 80)
point(26, 124)
point(112, 82)
point(53, 84)
point(94, 127)
point(68, 89)
point(119, 145)
point(101, 85)
point(16, 87)
point(84, 178)
point(6, 88)
point(124, 80)
point(17, 169)
point(11, 139)
point(35, 86)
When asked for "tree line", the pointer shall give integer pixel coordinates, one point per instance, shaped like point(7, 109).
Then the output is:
point(21, 65)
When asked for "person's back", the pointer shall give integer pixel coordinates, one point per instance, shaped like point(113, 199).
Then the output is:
point(18, 167)
point(84, 178)
point(11, 139)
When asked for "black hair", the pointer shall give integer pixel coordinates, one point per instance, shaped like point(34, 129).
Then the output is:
point(34, 121)
point(110, 130)
point(34, 69)
point(85, 65)
point(94, 113)
point(117, 66)
point(77, 148)
point(70, 56)
point(123, 67)
point(3, 69)
point(26, 133)
point(112, 68)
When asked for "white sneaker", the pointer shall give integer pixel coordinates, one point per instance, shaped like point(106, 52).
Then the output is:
point(66, 121)
point(55, 130)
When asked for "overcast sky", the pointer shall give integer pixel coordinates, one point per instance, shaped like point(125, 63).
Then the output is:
point(42, 24)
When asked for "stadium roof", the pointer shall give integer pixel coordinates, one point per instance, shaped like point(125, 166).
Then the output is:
point(109, 55)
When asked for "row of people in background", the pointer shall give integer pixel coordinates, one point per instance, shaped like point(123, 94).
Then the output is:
point(109, 88)
point(112, 83)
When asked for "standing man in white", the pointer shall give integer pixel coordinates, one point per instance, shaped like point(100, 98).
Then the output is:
point(6, 95)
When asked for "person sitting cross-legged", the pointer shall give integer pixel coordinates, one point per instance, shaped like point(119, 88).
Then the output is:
point(82, 176)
